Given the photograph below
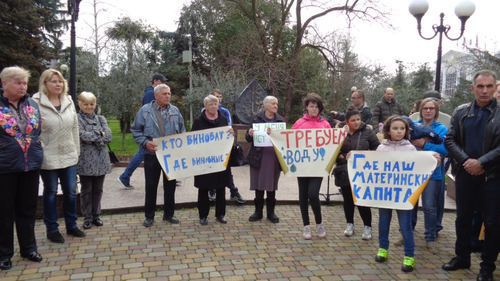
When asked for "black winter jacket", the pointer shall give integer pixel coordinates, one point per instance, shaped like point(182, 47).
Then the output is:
point(217, 179)
point(383, 110)
point(363, 139)
point(255, 153)
point(490, 158)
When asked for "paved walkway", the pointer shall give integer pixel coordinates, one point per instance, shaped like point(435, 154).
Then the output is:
point(124, 250)
point(115, 197)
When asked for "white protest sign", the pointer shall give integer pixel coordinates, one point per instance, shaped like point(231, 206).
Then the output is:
point(260, 136)
point(307, 152)
point(194, 153)
point(392, 180)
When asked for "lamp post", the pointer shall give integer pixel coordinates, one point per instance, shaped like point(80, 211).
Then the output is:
point(463, 10)
point(73, 9)
point(187, 57)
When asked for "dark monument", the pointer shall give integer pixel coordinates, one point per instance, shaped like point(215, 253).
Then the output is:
point(248, 103)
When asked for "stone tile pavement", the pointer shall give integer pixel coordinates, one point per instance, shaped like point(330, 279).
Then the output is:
point(115, 197)
point(124, 250)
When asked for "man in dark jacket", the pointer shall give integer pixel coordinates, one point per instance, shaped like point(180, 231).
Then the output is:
point(386, 107)
point(149, 96)
point(473, 143)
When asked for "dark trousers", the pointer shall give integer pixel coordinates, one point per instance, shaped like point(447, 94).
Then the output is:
point(472, 191)
point(18, 204)
point(309, 194)
point(90, 196)
point(259, 195)
point(364, 212)
point(152, 172)
point(204, 204)
point(232, 188)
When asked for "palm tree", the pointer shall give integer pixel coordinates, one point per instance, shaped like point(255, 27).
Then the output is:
point(128, 31)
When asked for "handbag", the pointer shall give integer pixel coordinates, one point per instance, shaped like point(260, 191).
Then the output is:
point(237, 158)
point(340, 176)
point(254, 157)
point(112, 156)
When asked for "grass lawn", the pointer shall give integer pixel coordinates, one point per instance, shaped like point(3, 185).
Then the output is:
point(129, 148)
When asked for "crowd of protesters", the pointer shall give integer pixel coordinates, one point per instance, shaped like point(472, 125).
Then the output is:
point(44, 136)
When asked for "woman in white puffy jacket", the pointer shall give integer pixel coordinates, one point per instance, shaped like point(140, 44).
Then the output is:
point(61, 145)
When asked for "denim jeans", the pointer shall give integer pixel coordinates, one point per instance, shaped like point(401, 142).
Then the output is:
point(384, 225)
point(132, 166)
point(440, 210)
point(430, 204)
point(50, 178)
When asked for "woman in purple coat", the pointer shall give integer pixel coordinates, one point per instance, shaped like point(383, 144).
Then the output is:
point(264, 166)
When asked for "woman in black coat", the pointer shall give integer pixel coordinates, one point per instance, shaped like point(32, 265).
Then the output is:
point(359, 137)
point(211, 117)
point(264, 166)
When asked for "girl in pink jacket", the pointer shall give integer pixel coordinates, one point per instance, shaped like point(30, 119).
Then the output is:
point(397, 134)
point(309, 186)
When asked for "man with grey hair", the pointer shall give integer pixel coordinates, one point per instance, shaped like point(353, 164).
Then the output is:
point(157, 119)
point(473, 143)
point(124, 178)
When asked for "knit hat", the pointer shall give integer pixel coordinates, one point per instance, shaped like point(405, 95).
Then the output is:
point(432, 94)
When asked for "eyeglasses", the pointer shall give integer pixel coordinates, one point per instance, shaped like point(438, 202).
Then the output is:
point(428, 108)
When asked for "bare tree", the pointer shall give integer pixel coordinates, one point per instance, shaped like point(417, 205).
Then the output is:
point(271, 34)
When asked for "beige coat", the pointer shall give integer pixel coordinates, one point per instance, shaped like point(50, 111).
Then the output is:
point(60, 138)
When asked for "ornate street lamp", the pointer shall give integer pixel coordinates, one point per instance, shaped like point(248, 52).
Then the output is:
point(73, 9)
point(463, 10)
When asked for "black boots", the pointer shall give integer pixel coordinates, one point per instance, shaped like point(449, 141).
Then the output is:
point(259, 205)
point(270, 204)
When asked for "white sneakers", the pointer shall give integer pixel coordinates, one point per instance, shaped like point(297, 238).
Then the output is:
point(307, 232)
point(320, 230)
point(367, 233)
point(349, 230)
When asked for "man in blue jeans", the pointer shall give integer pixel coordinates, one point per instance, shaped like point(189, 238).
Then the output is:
point(124, 179)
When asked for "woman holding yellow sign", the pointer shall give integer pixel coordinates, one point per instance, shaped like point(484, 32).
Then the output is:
point(309, 186)
point(211, 117)
point(264, 166)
